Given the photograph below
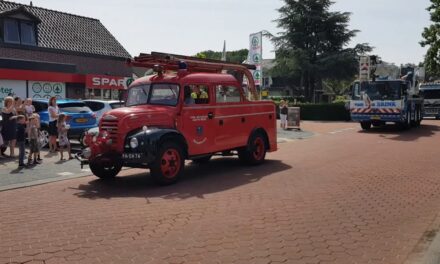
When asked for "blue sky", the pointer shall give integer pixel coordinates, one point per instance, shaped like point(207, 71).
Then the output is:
point(393, 27)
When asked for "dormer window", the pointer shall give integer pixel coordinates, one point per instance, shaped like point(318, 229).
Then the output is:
point(19, 32)
point(19, 26)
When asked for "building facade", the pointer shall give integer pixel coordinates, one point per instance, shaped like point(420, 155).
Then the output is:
point(46, 53)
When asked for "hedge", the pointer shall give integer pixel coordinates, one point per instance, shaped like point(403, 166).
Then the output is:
point(324, 112)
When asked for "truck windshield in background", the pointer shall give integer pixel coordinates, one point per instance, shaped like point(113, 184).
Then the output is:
point(430, 91)
point(382, 90)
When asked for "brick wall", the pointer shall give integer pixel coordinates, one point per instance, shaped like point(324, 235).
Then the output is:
point(84, 64)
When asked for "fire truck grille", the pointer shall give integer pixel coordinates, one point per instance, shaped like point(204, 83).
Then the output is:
point(111, 127)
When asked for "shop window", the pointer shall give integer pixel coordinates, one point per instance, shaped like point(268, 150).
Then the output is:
point(19, 32)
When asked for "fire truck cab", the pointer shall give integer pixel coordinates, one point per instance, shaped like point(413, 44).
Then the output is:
point(188, 110)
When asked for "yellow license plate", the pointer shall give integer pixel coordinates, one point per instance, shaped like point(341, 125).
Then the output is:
point(375, 117)
point(81, 120)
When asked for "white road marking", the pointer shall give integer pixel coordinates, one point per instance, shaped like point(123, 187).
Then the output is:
point(341, 130)
point(66, 173)
point(86, 170)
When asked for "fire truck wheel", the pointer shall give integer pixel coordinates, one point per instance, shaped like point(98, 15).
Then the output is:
point(202, 160)
point(366, 125)
point(255, 152)
point(105, 172)
point(169, 164)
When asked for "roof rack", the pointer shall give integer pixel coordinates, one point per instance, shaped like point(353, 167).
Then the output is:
point(173, 61)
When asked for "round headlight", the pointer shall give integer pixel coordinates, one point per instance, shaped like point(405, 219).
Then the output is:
point(87, 153)
point(134, 143)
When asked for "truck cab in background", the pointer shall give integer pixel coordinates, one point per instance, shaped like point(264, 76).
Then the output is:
point(375, 102)
point(431, 95)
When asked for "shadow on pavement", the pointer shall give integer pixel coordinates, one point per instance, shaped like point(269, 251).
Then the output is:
point(197, 181)
point(393, 132)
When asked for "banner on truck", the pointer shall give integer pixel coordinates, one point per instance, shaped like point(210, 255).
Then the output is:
point(256, 56)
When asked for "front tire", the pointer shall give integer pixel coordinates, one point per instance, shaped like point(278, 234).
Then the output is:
point(365, 125)
point(255, 152)
point(169, 164)
point(105, 171)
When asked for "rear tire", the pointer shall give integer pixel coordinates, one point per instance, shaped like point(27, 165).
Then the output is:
point(255, 152)
point(366, 125)
point(169, 164)
point(105, 171)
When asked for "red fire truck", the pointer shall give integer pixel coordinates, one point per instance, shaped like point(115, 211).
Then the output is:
point(190, 109)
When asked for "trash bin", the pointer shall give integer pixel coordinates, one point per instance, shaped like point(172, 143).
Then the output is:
point(293, 118)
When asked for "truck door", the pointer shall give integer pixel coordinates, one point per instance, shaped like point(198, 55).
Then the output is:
point(231, 119)
point(198, 119)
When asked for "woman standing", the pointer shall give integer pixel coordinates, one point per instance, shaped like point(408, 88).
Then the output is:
point(54, 111)
point(283, 114)
point(9, 127)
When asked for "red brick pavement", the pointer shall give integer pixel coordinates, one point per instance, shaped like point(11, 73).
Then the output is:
point(350, 197)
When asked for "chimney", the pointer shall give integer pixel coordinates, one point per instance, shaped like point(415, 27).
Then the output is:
point(31, 4)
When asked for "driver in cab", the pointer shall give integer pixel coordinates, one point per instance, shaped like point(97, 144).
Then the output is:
point(199, 95)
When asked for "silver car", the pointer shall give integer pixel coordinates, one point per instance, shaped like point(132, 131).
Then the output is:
point(101, 106)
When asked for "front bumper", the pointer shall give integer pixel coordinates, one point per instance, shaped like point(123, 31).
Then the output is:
point(376, 117)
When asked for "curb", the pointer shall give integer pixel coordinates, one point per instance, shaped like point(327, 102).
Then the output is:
point(427, 250)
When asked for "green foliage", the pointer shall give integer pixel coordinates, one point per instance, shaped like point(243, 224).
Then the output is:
point(337, 87)
point(431, 36)
point(312, 44)
point(237, 56)
point(324, 112)
point(321, 112)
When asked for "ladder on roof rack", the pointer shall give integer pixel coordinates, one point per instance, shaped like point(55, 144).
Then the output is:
point(172, 61)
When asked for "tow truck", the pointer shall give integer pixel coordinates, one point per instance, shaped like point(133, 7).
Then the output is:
point(431, 94)
point(377, 102)
point(190, 109)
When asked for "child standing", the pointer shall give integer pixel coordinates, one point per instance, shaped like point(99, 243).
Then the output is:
point(29, 109)
point(21, 136)
point(62, 136)
point(33, 140)
point(283, 114)
point(40, 144)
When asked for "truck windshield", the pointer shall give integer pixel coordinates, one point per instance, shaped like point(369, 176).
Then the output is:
point(382, 90)
point(138, 95)
point(156, 94)
point(430, 93)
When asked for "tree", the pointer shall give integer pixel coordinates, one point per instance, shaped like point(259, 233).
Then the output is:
point(431, 36)
point(237, 56)
point(312, 44)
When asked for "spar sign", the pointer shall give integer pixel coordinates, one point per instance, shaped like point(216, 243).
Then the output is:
point(107, 82)
point(256, 56)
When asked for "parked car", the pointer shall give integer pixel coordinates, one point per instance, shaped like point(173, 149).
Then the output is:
point(100, 106)
point(79, 116)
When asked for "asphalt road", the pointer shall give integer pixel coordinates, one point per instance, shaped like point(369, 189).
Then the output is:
point(340, 196)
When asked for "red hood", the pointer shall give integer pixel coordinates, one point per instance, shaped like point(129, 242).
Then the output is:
point(144, 115)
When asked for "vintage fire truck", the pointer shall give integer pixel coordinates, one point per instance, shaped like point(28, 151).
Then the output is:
point(190, 109)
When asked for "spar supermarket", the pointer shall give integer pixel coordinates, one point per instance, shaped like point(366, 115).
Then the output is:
point(46, 53)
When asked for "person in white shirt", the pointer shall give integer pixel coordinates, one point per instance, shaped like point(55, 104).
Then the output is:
point(54, 112)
